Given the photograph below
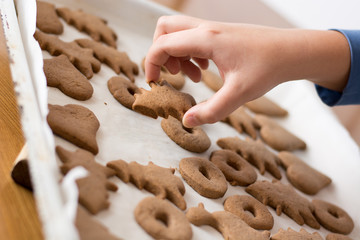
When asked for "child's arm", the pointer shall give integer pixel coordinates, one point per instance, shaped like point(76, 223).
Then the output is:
point(251, 59)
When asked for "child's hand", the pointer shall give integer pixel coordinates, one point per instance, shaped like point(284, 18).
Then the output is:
point(251, 59)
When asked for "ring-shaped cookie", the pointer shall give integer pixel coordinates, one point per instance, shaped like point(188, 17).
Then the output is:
point(332, 217)
point(193, 140)
point(237, 170)
point(260, 217)
point(203, 176)
point(162, 220)
point(123, 90)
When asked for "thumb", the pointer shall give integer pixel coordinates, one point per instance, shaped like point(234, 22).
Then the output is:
point(219, 106)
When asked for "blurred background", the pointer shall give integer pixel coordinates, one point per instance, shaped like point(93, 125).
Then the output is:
point(320, 14)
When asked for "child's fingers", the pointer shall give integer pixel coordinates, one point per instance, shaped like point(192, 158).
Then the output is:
point(219, 106)
point(181, 44)
point(170, 24)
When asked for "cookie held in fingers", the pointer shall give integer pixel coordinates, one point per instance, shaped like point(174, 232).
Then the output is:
point(332, 217)
point(284, 198)
point(76, 124)
point(161, 220)
point(46, 18)
point(302, 176)
point(93, 188)
point(162, 100)
point(95, 26)
point(158, 180)
point(276, 136)
point(192, 139)
point(264, 105)
point(236, 170)
point(260, 217)
point(116, 60)
point(82, 58)
point(61, 74)
point(228, 224)
point(175, 80)
point(291, 234)
point(203, 176)
point(254, 152)
point(242, 122)
point(123, 90)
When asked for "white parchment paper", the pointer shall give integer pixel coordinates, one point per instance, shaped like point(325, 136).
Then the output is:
point(127, 135)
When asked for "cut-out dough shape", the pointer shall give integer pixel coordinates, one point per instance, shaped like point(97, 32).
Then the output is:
point(116, 60)
point(82, 58)
point(93, 188)
point(163, 100)
point(60, 73)
point(212, 80)
point(254, 152)
point(123, 90)
point(276, 136)
point(96, 27)
point(162, 220)
point(242, 122)
point(193, 140)
point(301, 175)
point(264, 105)
point(203, 176)
point(290, 234)
point(75, 123)
point(228, 224)
point(336, 236)
point(158, 180)
point(46, 18)
point(283, 198)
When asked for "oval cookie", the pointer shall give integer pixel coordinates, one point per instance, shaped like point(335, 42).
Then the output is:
point(332, 217)
point(260, 217)
point(162, 220)
point(203, 176)
point(236, 169)
point(193, 140)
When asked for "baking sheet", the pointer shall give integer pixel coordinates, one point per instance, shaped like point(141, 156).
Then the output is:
point(127, 135)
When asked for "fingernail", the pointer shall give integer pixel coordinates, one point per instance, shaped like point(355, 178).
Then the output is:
point(191, 121)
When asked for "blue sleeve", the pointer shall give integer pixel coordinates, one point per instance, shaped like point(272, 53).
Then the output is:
point(351, 93)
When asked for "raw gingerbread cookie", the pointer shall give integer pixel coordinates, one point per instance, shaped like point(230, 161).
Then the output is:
point(192, 139)
point(332, 217)
point(123, 90)
point(60, 73)
point(283, 198)
point(301, 175)
point(116, 60)
point(46, 18)
point(235, 169)
point(230, 225)
point(90, 229)
point(93, 188)
point(293, 235)
point(21, 174)
point(276, 136)
point(203, 176)
point(264, 105)
point(242, 122)
point(163, 100)
point(254, 152)
point(96, 27)
point(336, 236)
point(162, 220)
point(175, 80)
point(212, 80)
point(75, 123)
point(260, 217)
point(158, 180)
point(82, 58)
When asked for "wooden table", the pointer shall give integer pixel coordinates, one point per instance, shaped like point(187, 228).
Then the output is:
point(18, 216)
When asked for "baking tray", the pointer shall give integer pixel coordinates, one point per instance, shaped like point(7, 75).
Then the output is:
point(127, 135)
